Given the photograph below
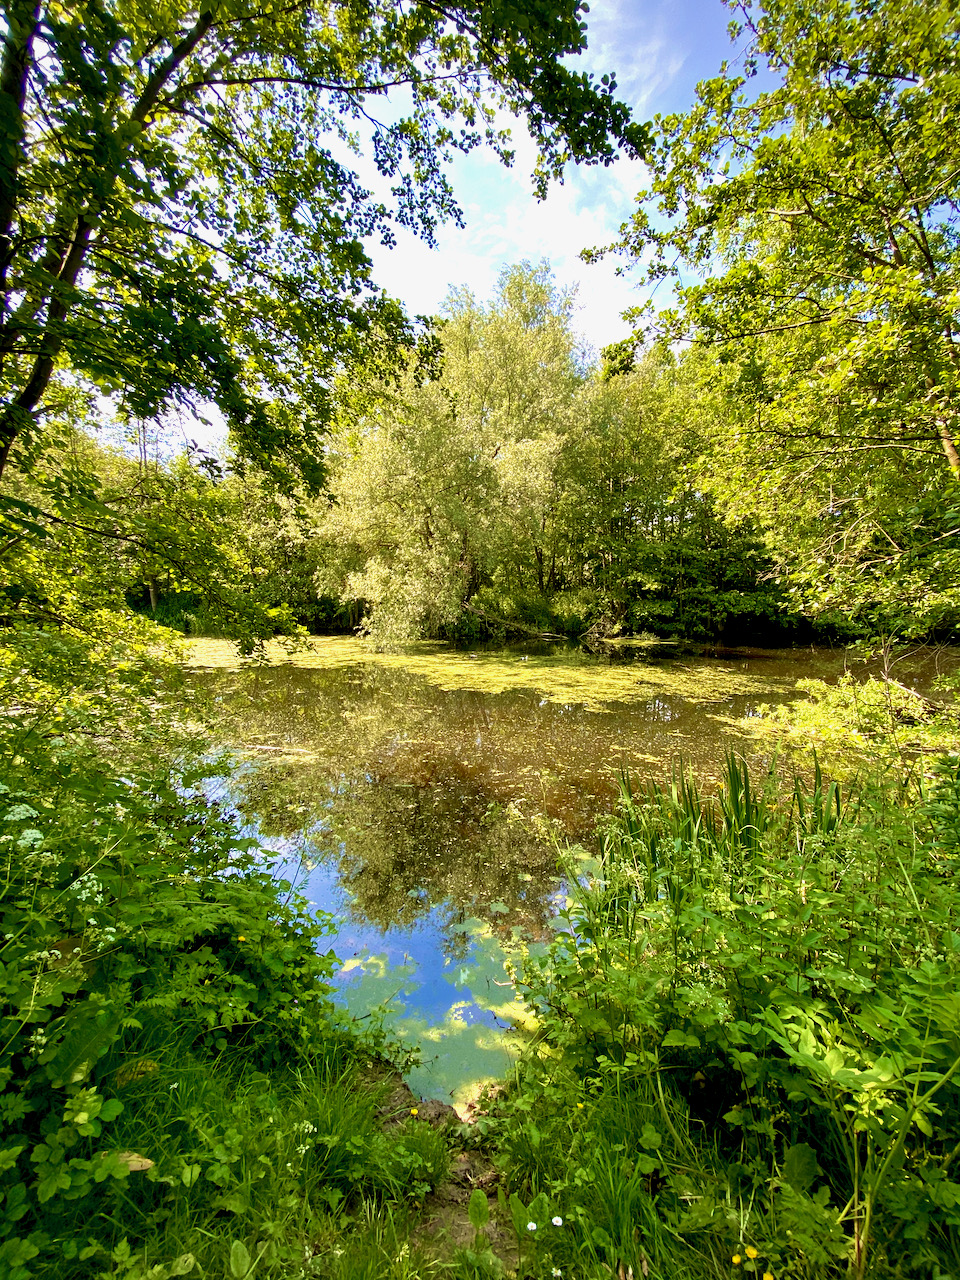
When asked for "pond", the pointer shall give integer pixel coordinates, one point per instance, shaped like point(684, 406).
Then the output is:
point(421, 798)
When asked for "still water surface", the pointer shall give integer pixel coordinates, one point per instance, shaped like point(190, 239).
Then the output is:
point(421, 798)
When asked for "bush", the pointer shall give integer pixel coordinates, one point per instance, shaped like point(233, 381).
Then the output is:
point(128, 905)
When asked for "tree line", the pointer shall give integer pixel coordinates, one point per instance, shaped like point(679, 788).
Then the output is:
point(772, 452)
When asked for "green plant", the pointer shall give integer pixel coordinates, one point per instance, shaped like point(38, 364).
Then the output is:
point(750, 1033)
point(478, 1262)
point(527, 1220)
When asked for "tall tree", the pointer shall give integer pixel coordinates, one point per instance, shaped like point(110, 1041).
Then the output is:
point(179, 218)
point(441, 486)
point(513, 367)
point(812, 228)
point(643, 547)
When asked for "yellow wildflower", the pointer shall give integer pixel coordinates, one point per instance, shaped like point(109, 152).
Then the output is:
point(737, 1259)
point(750, 1251)
point(414, 1111)
point(767, 1275)
point(241, 938)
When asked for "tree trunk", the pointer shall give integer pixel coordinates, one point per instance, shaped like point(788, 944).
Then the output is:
point(22, 20)
point(949, 448)
point(19, 412)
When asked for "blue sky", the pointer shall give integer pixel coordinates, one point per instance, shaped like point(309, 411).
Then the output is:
point(659, 50)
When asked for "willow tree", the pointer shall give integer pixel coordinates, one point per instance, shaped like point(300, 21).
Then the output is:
point(180, 217)
point(811, 227)
point(449, 485)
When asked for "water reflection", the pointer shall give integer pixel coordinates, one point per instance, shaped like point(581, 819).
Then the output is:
point(423, 804)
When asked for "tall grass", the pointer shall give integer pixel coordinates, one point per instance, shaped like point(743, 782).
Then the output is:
point(290, 1171)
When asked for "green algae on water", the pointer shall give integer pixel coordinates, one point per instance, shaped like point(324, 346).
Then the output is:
point(570, 678)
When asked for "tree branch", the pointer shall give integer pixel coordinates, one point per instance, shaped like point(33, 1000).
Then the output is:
point(18, 413)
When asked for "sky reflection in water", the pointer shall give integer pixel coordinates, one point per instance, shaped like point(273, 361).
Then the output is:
point(422, 808)
point(440, 982)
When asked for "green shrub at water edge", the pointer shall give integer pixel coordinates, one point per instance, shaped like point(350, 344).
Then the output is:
point(177, 1095)
point(125, 909)
point(751, 1039)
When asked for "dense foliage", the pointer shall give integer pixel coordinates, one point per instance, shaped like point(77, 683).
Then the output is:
point(180, 220)
point(750, 1040)
point(177, 1094)
point(810, 226)
point(517, 489)
point(522, 489)
point(180, 225)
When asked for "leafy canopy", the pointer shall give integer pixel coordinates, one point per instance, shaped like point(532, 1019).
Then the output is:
point(811, 228)
point(521, 489)
point(439, 483)
point(180, 218)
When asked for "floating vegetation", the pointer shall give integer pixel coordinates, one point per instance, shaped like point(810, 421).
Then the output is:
point(569, 677)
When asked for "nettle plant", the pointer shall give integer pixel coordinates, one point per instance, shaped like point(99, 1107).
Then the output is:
point(130, 910)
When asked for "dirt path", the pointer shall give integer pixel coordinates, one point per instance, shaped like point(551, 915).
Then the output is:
point(445, 1221)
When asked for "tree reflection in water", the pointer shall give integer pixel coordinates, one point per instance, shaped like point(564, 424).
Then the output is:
point(424, 804)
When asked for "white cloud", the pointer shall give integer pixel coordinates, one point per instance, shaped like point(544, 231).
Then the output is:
point(657, 49)
point(637, 44)
point(505, 224)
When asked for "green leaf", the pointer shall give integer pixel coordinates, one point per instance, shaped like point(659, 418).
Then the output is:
point(89, 1030)
point(239, 1260)
point(650, 1137)
point(800, 1168)
point(8, 1157)
point(53, 1181)
point(478, 1209)
point(16, 1251)
point(676, 1039)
